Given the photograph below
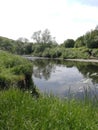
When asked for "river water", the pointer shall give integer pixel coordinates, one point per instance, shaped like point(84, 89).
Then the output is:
point(65, 78)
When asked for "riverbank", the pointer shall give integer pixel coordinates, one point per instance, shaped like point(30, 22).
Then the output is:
point(15, 71)
point(83, 60)
point(80, 60)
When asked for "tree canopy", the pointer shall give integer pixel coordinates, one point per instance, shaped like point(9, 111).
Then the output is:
point(69, 43)
point(43, 37)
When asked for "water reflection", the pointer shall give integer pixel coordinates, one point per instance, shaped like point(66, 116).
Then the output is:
point(59, 76)
point(43, 69)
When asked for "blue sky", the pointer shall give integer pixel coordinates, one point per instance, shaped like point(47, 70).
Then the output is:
point(85, 2)
point(64, 18)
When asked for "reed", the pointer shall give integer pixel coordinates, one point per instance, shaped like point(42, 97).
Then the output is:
point(20, 111)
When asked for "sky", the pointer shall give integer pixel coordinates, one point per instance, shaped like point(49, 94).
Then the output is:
point(65, 19)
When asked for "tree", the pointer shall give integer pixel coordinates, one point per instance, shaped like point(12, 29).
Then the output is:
point(69, 43)
point(28, 48)
point(22, 39)
point(91, 39)
point(46, 37)
point(96, 28)
point(79, 42)
point(37, 36)
point(43, 37)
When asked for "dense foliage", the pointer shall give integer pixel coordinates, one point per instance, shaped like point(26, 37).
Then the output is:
point(15, 46)
point(45, 45)
point(15, 71)
point(69, 43)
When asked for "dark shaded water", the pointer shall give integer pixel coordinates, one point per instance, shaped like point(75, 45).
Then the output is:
point(61, 77)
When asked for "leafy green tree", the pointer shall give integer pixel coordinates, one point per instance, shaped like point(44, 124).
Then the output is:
point(7, 44)
point(79, 42)
point(28, 48)
point(91, 39)
point(69, 43)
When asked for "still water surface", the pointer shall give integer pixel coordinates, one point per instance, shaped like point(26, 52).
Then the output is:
point(61, 77)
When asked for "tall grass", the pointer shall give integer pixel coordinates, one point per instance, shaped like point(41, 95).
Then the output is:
point(14, 70)
point(19, 111)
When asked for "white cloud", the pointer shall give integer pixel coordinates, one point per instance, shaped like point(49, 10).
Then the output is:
point(64, 20)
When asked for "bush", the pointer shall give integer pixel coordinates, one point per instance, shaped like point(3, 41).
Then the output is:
point(95, 53)
point(75, 53)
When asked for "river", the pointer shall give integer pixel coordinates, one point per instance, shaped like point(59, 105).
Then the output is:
point(65, 78)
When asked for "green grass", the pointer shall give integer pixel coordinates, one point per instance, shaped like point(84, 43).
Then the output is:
point(20, 111)
point(14, 70)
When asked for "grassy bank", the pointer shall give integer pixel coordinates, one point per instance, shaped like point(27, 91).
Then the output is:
point(19, 111)
point(15, 71)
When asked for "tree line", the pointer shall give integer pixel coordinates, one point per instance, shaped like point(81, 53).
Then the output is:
point(45, 45)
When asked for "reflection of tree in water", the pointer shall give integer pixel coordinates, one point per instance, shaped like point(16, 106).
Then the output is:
point(89, 70)
point(43, 68)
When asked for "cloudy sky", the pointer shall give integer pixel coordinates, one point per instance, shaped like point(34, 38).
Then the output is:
point(64, 18)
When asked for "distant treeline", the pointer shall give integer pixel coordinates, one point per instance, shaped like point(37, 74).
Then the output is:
point(15, 46)
point(44, 45)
